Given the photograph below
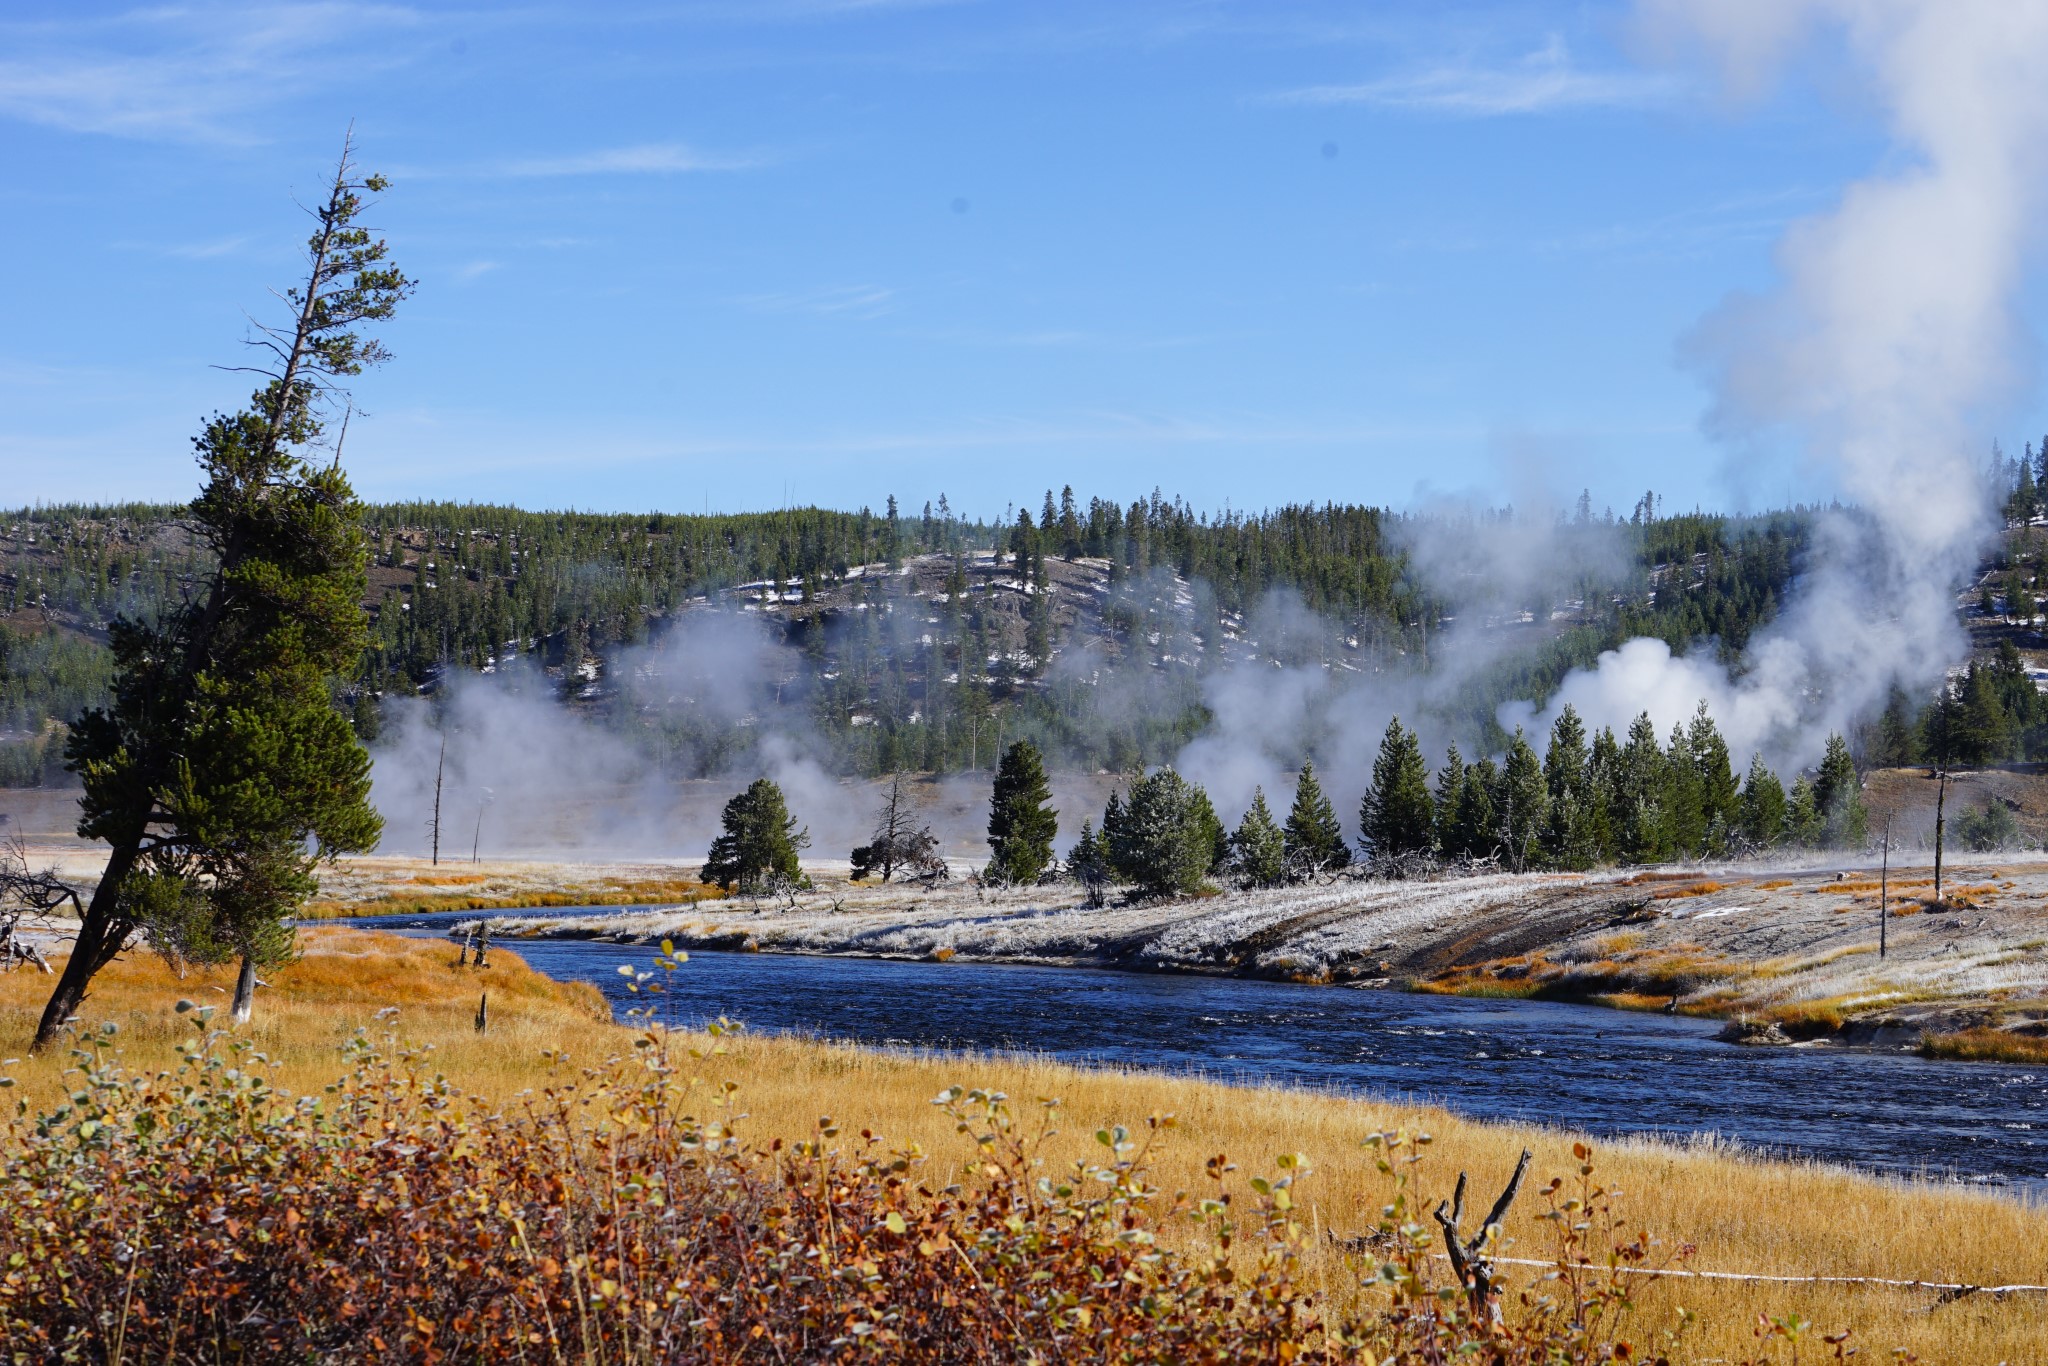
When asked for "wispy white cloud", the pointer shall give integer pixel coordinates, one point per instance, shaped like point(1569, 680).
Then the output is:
point(1543, 81)
point(650, 158)
point(474, 270)
point(843, 301)
point(193, 74)
point(1072, 338)
point(208, 250)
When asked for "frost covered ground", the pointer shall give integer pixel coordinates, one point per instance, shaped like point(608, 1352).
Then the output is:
point(1794, 945)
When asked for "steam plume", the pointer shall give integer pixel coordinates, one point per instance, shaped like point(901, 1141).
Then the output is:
point(1889, 342)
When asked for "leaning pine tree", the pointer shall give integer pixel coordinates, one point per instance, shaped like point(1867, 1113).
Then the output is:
point(220, 774)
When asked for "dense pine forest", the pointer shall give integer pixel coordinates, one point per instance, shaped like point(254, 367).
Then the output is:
point(917, 639)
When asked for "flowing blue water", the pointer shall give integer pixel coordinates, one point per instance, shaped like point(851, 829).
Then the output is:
point(1580, 1067)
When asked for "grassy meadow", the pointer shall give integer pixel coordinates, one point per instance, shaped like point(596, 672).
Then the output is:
point(1738, 1214)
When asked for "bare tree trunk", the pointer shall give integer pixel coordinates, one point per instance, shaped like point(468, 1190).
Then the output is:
point(1472, 1259)
point(1884, 889)
point(439, 767)
point(245, 991)
point(101, 935)
point(1940, 829)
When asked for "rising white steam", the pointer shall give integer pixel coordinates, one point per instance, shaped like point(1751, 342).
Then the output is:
point(1881, 356)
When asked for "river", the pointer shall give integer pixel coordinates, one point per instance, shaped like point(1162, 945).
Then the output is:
point(1580, 1067)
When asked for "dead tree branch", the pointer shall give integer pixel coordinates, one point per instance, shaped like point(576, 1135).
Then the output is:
point(1472, 1258)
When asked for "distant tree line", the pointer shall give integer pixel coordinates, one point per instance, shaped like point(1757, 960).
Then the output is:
point(891, 681)
point(1583, 804)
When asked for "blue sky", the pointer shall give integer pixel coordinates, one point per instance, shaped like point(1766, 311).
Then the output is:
point(732, 254)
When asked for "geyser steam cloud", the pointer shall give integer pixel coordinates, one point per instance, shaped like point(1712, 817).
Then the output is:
point(1881, 356)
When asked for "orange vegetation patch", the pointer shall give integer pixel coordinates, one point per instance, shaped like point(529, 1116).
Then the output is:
point(1689, 889)
point(1638, 977)
point(448, 879)
point(1774, 884)
point(1806, 1019)
point(1640, 878)
point(1985, 1044)
point(1972, 897)
point(652, 892)
point(341, 967)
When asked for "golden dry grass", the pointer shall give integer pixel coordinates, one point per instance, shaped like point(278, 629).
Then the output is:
point(641, 892)
point(1743, 1214)
point(1685, 890)
point(1987, 1044)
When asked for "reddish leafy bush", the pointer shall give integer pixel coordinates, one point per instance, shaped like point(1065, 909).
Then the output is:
point(203, 1216)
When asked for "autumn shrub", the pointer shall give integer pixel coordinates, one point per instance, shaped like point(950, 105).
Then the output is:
point(617, 1215)
point(1986, 1044)
point(645, 892)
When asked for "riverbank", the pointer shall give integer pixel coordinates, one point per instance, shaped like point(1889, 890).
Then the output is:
point(1743, 1214)
point(1789, 954)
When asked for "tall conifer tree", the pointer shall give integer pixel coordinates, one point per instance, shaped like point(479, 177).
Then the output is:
point(1259, 849)
point(1567, 833)
point(1521, 805)
point(1396, 818)
point(221, 774)
point(1021, 823)
point(1838, 797)
point(1762, 807)
point(1314, 841)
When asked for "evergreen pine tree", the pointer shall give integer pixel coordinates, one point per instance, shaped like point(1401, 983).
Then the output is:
point(1762, 808)
point(1396, 818)
point(1603, 764)
point(1021, 826)
point(1115, 832)
point(1088, 862)
point(1450, 785)
point(758, 842)
point(1314, 840)
point(220, 773)
point(1214, 833)
point(1804, 827)
point(1163, 844)
point(1715, 773)
point(1641, 828)
point(1478, 837)
point(1567, 835)
point(1259, 849)
point(1521, 805)
point(1684, 808)
point(1838, 797)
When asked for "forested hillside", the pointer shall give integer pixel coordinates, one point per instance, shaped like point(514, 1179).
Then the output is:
point(916, 639)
